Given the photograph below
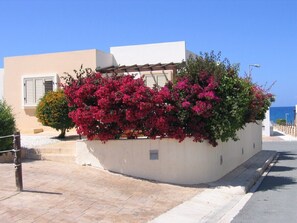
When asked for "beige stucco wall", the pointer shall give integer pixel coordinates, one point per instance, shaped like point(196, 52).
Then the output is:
point(1, 83)
point(179, 163)
point(34, 65)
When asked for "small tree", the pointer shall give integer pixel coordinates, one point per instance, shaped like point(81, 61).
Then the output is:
point(7, 125)
point(281, 121)
point(52, 111)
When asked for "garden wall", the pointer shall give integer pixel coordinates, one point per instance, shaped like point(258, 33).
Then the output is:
point(9, 157)
point(169, 161)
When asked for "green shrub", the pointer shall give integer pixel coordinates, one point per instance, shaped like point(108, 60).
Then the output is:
point(7, 125)
point(281, 121)
point(52, 111)
point(240, 100)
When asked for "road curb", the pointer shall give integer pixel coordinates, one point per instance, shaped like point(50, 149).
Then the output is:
point(242, 178)
point(212, 204)
point(260, 172)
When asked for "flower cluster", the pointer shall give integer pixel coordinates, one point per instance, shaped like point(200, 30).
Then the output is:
point(260, 102)
point(185, 109)
point(107, 107)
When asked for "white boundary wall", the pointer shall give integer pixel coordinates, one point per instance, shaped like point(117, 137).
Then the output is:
point(179, 163)
point(267, 128)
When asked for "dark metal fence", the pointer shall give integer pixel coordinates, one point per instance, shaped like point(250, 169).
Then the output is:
point(17, 158)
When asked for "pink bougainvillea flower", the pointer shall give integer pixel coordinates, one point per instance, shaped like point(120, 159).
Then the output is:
point(186, 104)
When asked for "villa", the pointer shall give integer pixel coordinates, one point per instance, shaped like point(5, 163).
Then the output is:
point(28, 78)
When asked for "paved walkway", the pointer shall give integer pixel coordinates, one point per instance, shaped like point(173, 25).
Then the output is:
point(57, 192)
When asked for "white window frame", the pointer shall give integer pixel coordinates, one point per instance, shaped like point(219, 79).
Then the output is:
point(53, 77)
point(156, 74)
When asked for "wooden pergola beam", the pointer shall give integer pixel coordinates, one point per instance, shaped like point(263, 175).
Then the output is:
point(138, 68)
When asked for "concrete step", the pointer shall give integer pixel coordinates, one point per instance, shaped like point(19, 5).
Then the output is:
point(60, 152)
point(65, 158)
point(59, 158)
point(46, 150)
point(33, 154)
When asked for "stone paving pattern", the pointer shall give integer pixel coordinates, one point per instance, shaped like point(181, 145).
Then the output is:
point(59, 192)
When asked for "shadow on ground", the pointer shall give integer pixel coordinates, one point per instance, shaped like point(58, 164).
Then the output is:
point(67, 138)
point(276, 182)
point(42, 192)
point(277, 134)
point(281, 168)
point(287, 156)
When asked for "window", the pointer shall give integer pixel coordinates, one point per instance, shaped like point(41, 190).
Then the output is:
point(160, 79)
point(35, 87)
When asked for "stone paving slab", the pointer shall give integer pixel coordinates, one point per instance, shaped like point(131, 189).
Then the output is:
point(58, 192)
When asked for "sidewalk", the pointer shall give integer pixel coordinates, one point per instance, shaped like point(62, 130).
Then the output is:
point(57, 192)
point(278, 136)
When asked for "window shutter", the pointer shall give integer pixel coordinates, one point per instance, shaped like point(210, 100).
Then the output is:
point(48, 86)
point(39, 89)
point(149, 81)
point(29, 91)
point(161, 80)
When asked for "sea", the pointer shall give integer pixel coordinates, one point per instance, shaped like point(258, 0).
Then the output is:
point(287, 113)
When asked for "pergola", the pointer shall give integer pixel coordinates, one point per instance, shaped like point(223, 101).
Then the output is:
point(139, 68)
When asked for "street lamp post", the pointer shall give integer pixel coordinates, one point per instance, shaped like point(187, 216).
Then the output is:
point(250, 68)
point(287, 118)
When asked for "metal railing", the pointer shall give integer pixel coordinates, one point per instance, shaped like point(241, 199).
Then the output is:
point(17, 158)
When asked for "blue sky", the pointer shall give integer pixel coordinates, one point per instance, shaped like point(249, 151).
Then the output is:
point(245, 31)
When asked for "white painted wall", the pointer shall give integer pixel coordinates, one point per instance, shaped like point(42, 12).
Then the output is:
point(179, 163)
point(150, 53)
point(1, 83)
point(104, 59)
point(267, 128)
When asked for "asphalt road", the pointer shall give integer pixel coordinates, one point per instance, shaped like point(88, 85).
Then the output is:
point(276, 198)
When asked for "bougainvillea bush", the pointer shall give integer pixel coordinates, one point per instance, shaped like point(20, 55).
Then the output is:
point(107, 107)
point(208, 101)
point(240, 100)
